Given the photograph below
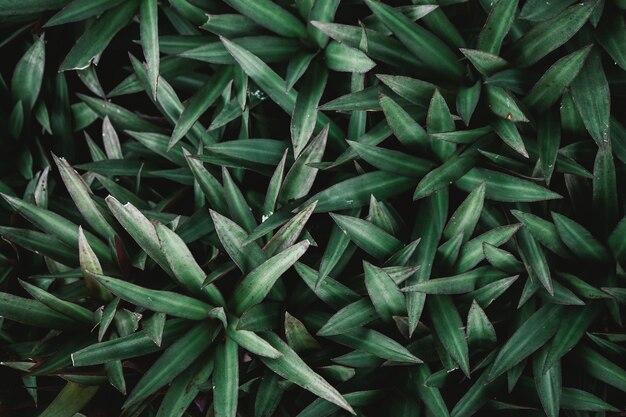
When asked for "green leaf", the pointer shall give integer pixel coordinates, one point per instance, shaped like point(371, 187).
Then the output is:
point(467, 100)
point(209, 185)
point(350, 317)
point(184, 267)
point(120, 117)
point(343, 58)
point(438, 120)
point(550, 34)
point(289, 232)
point(456, 284)
point(507, 131)
point(78, 10)
point(503, 104)
point(291, 367)
point(140, 229)
point(226, 379)
point(605, 205)
point(258, 151)
point(485, 62)
point(321, 11)
point(81, 194)
point(230, 25)
point(301, 176)
point(172, 362)
point(543, 231)
point(576, 399)
point(167, 101)
point(430, 396)
point(377, 344)
point(380, 215)
point(133, 345)
point(549, 139)
point(237, 204)
point(199, 103)
point(590, 90)
point(355, 192)
point(298, 337)
point(578, 239)
point(263, 75)
point(379, 46)
point(304, 117)
point(502, 259)
point(363, 99)
point(56, 225)
point(149, 31)
point(548, 383)
point(611, 34)
point(251, 341)
point(330, 291)
point(412, 12)
point(463, 137)
point(96, 38)
point(20, 8)
point(555, 80)
point(464, 219)
point(472, 252)
point(108, 314)
point(184, 388)
point(529, 337)
point(572, 329)
point(617, 241)
point(422, 43)
point(415, 91)
point(403, 126)
point(33, 313)
point(600, 368)
point(28, 75)
point(498, 24)
point(233, 238)
point(504, 187)
point(274, 186)
point(489, 293)
point(267, 48)
point(337, 245)
point(449, 329)
point(534, 260)
point(257, 284)
point(429, 227)
point(70, 400)
point(154, 326)
point(480, 331)
point(268, 395)
point(450, 171)
point(474, 398)
point(89, 263)
point(367, 236)
point(448, 252)
point(171, 303)
point(298, 65)
point(111, 140)
point(270, 16)
point(539, 10)
point(74, 311)
point(393, 161)
point(618, 293)
point(384, 293)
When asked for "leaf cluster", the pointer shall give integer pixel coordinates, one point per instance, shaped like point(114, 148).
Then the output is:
point(302, 208)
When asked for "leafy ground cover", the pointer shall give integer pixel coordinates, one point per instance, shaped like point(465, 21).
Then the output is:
point(308, 208)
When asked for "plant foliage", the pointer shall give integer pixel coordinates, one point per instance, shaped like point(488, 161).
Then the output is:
point(302, 208)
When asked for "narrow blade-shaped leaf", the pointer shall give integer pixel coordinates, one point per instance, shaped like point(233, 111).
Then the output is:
point(258, 283)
